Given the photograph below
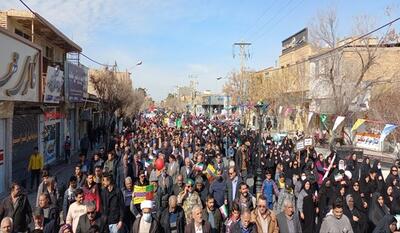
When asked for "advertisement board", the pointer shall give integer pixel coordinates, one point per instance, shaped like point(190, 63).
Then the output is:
point(295, 41)
point(369, 141)
point(77, 82)
point(54, 85)
point(20, 71)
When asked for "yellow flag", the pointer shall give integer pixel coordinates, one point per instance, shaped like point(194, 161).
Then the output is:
point(358, 123)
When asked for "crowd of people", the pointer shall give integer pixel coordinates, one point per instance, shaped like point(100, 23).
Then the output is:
point(197, 174)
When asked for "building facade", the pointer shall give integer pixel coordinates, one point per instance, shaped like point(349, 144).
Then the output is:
point(36, 108)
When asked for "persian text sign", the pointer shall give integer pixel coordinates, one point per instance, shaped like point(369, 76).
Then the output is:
point(19, 69)
point(77, 82)
point(370, 141)
point(54, 84)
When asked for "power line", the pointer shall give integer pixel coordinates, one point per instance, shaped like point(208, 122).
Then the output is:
point(280, 20)
point(272, 18)
point(34, 13)
point(249, 29)
point(92, 60)
point(347, 43)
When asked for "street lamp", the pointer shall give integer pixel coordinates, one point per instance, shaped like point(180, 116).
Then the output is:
point(139, 63)
point(261, 107)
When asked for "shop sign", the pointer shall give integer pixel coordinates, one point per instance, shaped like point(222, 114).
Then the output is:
point(53, 116)
point(76, 82)
point(54, 85)
point(19, 69)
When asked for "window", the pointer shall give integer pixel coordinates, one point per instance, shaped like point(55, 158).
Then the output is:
point(49, 52)
point(22, 34)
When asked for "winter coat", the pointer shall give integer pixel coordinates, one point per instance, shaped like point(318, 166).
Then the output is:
point(271, 219)
point(21, 214)
point(112, 204)
point(180, 220)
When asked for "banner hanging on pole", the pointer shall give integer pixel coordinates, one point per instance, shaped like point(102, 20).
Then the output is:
point(358, 123)
point(338, 121)
point(310, 115)
point(387, 130)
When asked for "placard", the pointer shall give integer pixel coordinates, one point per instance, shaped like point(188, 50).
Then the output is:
point(300, 145)
point(308, 142)
point(370, 141)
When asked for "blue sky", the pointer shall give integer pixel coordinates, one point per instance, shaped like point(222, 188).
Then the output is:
point(177, 38)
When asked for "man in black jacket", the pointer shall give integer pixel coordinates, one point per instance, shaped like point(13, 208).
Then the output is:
point(245, 224)
point(172, 219)
point(232, 186)
point(50, 211)
point(112, 203)
point(17, 207)
point(213, 215)
point(89, 219)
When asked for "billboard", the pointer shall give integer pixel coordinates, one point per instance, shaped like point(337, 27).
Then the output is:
point(77, 82)
point(295, 41)
point(54, 85)
point(20, 71)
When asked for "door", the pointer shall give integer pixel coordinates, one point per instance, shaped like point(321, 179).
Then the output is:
point(2, 154)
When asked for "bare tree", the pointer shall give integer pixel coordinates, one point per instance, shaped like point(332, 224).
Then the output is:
point(135, 102)
point(173, 103)
point(346, 70)
point(114, 92)
point(235, 87)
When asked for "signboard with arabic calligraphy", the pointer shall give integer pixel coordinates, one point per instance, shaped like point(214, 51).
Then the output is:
point(19, 69)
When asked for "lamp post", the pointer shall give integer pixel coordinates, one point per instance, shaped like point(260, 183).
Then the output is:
point(228, 98)
point(261, 107)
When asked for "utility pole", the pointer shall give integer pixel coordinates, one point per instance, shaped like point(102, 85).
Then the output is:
point(193, 88)
point(244, 55)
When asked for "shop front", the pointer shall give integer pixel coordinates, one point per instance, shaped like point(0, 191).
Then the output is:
point(6, 112)
point(20, 84)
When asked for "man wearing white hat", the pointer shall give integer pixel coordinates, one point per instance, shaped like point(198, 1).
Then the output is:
point(146, 223)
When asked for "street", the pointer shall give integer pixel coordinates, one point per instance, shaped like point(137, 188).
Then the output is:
point(199, 116)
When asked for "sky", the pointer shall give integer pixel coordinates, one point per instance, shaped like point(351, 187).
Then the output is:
point(177, 40)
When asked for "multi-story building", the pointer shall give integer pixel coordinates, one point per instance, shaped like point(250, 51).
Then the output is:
point(37, 108)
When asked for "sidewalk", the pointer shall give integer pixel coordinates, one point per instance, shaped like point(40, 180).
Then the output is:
point(63, 171)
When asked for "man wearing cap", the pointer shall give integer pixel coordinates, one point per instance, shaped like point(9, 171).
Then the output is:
point(146, 223)
point(188, 198)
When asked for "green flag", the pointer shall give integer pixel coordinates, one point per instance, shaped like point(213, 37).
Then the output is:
point(178, 123)
point(323, 118)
